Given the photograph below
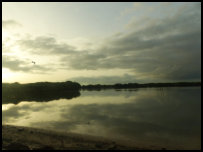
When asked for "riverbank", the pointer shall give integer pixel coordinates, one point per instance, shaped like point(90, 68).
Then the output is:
point(26, 138)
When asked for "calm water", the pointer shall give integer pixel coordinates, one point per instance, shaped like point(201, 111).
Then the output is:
point(168, 117)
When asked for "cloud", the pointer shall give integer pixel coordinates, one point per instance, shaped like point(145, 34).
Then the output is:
point(45, 46)
point(10, 24)
point(14, 64)
point(105, 79)
point(11, 115)
point(167, 48)
point(22, 111)
point(136, 6)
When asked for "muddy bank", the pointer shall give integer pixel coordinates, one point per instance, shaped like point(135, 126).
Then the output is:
point(25, 138)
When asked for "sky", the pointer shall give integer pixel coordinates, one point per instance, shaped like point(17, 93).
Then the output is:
point(101, 42)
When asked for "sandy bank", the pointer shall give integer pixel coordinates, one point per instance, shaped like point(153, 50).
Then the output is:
point(19, 138)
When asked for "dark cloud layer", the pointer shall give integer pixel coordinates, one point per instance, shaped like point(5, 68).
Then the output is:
point(126, 78)
point(169, 49)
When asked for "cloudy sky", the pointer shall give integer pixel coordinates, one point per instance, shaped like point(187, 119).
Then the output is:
point(101, 42)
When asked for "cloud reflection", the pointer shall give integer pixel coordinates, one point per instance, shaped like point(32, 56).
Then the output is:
point(170, 117)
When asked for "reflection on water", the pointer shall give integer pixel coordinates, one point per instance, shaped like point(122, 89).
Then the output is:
point(41, 97)
point(170, 117)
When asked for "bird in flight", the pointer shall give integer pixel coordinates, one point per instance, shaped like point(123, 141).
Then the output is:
point(33, 62)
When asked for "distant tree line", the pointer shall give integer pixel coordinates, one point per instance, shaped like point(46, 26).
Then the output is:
point(137, 85)
point(47, 91)
point(40, 91)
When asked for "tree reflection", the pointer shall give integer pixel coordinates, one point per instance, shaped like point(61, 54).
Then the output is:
point(42, 91)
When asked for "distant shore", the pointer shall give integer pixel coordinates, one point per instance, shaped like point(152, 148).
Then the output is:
point(137, 85)
point(26, 138)
point(47, 91)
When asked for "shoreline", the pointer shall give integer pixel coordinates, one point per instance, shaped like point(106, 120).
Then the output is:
point(27, 138)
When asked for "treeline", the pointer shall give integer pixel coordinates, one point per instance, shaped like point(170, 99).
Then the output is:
point(137, 85)
point(40, 91)
point(47, 91)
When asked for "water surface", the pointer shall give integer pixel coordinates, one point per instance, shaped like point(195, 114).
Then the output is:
point(168, 117)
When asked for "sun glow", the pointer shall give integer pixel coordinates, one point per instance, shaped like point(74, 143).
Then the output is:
point(5, 34)
point(6, 106)
point(7, 75)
